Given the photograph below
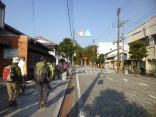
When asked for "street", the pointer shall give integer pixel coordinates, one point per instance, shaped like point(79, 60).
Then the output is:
point(28, 102)
point(104, 93)
point(92, 92)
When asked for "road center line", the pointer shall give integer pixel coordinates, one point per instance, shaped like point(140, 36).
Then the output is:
point(152, 96)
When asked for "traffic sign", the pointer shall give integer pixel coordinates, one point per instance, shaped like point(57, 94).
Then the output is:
point(87, 33)
point(81, 33)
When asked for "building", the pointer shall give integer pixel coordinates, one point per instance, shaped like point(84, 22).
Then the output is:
point(109, 49)
point(15, 43)
point(147, 34)
point(105, 47)
point(53, 47)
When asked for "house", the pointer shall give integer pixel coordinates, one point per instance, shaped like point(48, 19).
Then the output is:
point(109, 50)
point(15, 43)
point(53, 49)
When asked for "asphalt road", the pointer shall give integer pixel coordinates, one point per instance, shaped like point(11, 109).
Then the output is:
point(103, 93)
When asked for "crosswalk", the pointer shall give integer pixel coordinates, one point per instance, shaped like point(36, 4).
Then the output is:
point(90, 70)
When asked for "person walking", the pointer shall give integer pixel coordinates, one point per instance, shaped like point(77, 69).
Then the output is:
point(13, 81)
point(52, 69)
point(58, 70)
point(23, 68)
point(42, 74)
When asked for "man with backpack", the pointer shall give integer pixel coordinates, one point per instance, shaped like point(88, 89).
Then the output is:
point(13, 77)
point(58, 70)
point(42, 74)
point(52, 69)
point(65, 67)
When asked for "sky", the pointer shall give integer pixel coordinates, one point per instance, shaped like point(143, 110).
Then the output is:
point(49, 18)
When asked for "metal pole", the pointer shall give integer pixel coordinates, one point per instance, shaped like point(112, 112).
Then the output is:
point(123, 38)
point(73, 45)
point(118, 13)
point(123, 48)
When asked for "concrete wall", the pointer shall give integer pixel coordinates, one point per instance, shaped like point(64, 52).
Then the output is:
point(145, 30)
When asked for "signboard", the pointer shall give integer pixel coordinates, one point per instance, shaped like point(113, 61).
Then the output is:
point(10, 53)
point(81, 33)
point(87, 33)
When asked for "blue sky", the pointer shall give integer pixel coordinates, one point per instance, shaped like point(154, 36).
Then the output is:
point(51, 18)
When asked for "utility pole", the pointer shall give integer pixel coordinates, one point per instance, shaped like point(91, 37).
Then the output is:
point(73, 39)
point(123, 37)
point(123, 49)
point(118, 25)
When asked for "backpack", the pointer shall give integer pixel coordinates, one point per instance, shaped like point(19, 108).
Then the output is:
point(9, 73)
point(57, 68)
point(51, 68)
point(65, 67)
point(41, 73)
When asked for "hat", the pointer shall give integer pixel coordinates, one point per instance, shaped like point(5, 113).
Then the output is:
point(42, 58)
point(15, 60)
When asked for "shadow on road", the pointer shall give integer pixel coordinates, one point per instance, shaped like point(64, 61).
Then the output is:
point(28, 102)
point(110, 103)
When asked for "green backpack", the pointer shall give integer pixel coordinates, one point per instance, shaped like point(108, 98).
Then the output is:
point(41, 73)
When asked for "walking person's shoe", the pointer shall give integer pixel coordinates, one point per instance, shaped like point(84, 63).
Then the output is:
point(10, 103)
point(14, 103)
point(43, 104)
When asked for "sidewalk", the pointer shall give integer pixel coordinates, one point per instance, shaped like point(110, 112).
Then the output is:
point(28, 103)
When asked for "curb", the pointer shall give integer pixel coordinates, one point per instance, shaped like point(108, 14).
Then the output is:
point(60, 102)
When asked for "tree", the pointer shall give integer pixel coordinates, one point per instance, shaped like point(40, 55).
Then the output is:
point(66, 48)
point(100, 59)
point(137, 52)
point(90, 52)
point(79, 54)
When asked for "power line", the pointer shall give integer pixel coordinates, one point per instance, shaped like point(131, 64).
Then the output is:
point(69, 17)
point(124, 4)
point(106, 35)
point(71, 23)
point(72, 14)
point(108, 29)
point(33, 18)
point(144, 9)
point(147, 14)
point(128, 5)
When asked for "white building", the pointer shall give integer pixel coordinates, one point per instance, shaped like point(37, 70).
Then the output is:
point(105, 47)
point(109, 49)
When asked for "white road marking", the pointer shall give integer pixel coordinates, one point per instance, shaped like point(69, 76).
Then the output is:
point(152, 96)
point(78, 86)
point(79, 94)
point(109, 78)
point(141, 84)
point(126, 80)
